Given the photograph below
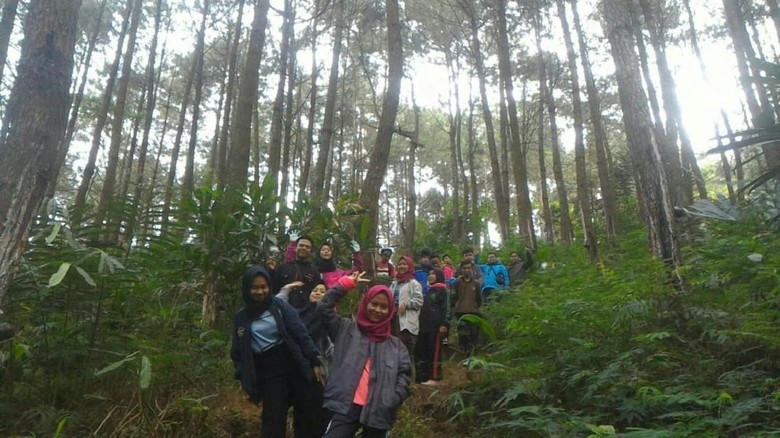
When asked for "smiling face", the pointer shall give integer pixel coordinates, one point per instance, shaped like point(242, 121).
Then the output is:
point(431, 277)
point(326, 252)
point(317, 293)
point(378, 308)
point(514, 257)
point(303, 249)
point(492, 258)
point(402, 267)
point(260, 290)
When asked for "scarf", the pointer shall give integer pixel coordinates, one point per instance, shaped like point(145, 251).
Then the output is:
point(409, 274)
point(325, 265)
point(374, 331)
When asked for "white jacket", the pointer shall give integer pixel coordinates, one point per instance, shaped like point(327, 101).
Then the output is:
point(410, 293)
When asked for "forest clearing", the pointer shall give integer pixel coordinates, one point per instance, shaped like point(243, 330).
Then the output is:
point(571, 206)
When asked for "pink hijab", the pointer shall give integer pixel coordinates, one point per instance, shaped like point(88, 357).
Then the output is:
point(375, 331)
point(409, 274)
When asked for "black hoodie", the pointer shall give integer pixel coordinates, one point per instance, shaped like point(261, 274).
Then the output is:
point(292, 332)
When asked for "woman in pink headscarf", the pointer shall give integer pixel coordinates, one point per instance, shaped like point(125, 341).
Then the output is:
point(371, 370)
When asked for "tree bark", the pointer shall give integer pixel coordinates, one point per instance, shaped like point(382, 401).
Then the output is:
point(188, 184)
point(277, 114)
point(479, 64)
point(247, 95)
point(645, 150)
point(774, 12)
point(37, 115)
point(7, 27)
point(609, 197)
point(690, 170)
point(118, 117)
point(78, 97)
point(175, 151)
point(583, 184)
point(516, 150)
point(222, 149)
point(102, 117)
point(326, 132)
point(289, 115)
point(377, 169)
point(760, 108)
point(312, 113)
point(151, 100)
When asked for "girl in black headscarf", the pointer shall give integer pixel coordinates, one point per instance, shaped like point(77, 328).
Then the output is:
point(275, 358)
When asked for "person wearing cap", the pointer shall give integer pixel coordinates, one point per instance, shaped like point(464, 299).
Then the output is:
point(384, 267)
point(371, 370)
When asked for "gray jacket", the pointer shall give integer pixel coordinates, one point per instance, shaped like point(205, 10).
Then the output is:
point(391, 368)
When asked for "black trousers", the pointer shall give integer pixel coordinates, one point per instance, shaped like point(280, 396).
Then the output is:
point(345, 426)
point(425, 356)
point(283, 384)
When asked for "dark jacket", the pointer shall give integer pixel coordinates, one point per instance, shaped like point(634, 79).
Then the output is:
point(466, 297)
point(436, 309)
point(306, 272)
point(518, 271)
point(391, 369)
point(292, 331)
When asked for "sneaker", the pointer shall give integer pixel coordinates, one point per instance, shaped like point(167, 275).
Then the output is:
point(466, 362)
point(445, 341)
point(430, 383)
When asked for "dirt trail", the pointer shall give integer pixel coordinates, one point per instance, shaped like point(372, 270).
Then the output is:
point(424, 413)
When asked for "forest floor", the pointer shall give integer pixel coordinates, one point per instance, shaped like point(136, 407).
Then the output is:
point(423, 414)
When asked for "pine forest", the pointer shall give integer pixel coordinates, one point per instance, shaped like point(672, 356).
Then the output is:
point(165, 163)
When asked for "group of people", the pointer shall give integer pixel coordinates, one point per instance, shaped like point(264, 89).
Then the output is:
point(291, 348)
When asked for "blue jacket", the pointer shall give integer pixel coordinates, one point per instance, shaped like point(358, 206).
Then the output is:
point(391, 372)
point(492, 276)
point(292, 331)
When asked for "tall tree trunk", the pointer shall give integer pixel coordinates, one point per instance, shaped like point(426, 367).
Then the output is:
point(690, 171)
point(760, 108)
point(567, 229)
point(774, 12)
point(310, 123)
point(175, 151)
point(476, 50)
point(544, 190)
point(36, 114)
point(102, 117)
point(79, 96)
point(151, 100)
point(545, 98)
point(277, 114)
point(326, 133)
point(475, 222)
point(455, 168)
point(247, 95)
point(645, 150)
point(118, 117)
point(583, 184)
point(697, 51)
point(518, 153)
point(609, 197)
point(7, 27)
point(222, 149)
point(377, 169)
point(129, 151)
point(289, 120)
point(410, 219)
point(188, 184)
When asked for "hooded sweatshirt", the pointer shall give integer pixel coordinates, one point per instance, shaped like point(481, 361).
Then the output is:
point(289, 331)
